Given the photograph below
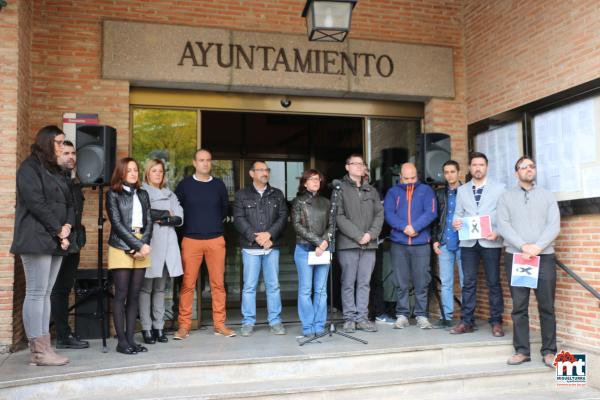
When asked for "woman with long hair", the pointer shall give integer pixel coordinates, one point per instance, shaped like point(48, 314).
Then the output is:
point(312, 223)
point(128, 208)
point(166, 257)
point(43, 220)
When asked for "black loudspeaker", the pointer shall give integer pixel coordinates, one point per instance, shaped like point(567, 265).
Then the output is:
point(433, 150)
point(96, 150)
point(391, 160)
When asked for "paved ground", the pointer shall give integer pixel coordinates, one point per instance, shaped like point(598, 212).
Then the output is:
point(203, 345)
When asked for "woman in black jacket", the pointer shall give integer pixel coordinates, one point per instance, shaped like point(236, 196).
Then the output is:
point(128, 208)
point(43, 220)
point(312, 223)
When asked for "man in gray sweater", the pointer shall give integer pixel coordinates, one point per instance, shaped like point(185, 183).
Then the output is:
point(529, 222)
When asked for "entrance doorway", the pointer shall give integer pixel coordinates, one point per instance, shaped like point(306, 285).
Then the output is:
point(289, 144)
point(315, 132)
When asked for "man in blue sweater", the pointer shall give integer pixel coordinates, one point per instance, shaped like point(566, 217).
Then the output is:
point(410, 208)
point(204, 200)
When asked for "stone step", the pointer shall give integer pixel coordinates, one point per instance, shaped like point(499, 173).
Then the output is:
point(386, 370)
point(476, 381)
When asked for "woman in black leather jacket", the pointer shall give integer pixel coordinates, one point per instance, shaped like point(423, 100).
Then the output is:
point(312, 223)
point(128, 208)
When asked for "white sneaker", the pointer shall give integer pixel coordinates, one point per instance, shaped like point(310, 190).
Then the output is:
point(401, 322)
point(423, 323)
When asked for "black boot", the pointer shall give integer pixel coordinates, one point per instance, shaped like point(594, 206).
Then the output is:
point(148, 337)
point(71, 342)
point(160, 336)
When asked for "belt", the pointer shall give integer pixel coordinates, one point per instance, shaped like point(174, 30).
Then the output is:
point(136, 230)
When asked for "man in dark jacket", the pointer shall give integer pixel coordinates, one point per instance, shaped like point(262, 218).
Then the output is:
point(260, 214)
point(359, 221)
point(410, 208)
point(65, 339)
point(445, 241)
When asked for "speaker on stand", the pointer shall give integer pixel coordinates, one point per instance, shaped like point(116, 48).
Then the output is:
point(96, 152)
point(433, 150)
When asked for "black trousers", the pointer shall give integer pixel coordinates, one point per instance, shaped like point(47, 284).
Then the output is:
point(59, 299)
point(470, 259)
point(545, 294)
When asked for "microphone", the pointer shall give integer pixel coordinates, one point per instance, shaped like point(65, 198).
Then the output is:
point(336, 184)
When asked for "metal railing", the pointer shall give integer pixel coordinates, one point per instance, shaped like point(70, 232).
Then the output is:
point(579, 280)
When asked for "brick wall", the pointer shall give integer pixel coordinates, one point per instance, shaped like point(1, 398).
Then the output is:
point(66, 51)
point(15, 49)
point(517, 52)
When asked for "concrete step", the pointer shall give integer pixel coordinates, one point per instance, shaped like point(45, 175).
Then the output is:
point(437, 368)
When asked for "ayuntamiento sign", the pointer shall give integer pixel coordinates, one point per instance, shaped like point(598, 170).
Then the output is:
point(219, 59)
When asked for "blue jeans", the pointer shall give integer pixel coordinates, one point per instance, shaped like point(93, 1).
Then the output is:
point(470, 257)
point(446, 262)
point(269, 264)
point(312, 308)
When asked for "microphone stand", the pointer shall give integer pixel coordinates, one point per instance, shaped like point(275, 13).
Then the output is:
point(332, 328)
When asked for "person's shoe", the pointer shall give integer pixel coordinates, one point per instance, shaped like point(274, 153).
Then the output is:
point(41, 356)
point(72, 342)
point(148, 337)
point(224, 331)
point(247, 330)
point(549, 360)
point(129, 350)
point(51, 353)
point(160, 336)
point(384, 319)
point(366, 326)
point(497, 330)
point(423, 322)
point(461, 328)
point(139, 348)
point(181, 334)
point(401, 322)
point(349, 327)
point(441, 324)
point(278, 329)
point(517, 359)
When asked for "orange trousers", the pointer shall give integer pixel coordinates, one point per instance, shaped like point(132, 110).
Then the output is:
point(193, 251)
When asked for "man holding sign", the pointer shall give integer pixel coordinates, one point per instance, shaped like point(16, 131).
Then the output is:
point(476, 203)
point(529, 222)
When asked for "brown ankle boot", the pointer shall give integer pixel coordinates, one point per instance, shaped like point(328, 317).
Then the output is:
point(42, 353)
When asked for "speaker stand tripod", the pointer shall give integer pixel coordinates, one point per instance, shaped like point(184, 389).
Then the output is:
point(100, 289)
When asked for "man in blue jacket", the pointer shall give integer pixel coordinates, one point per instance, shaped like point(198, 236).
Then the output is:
point(410, 208)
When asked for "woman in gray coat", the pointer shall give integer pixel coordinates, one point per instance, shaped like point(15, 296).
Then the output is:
point(166, 257)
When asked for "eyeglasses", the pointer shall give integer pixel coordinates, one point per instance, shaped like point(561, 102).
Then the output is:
point(262, 170)
point(59, 143)
point(523, 167)
point(357, 163)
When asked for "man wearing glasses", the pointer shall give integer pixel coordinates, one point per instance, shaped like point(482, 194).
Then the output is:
point(529, 222)
point(359, 221)
point(260, 215)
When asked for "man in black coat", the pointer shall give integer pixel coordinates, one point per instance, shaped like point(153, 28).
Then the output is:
point(260, 214)
point(65, 339)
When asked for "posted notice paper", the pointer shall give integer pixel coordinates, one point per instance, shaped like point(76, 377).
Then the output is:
point(525, 272)
point(477, 227)
point(313, 259)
